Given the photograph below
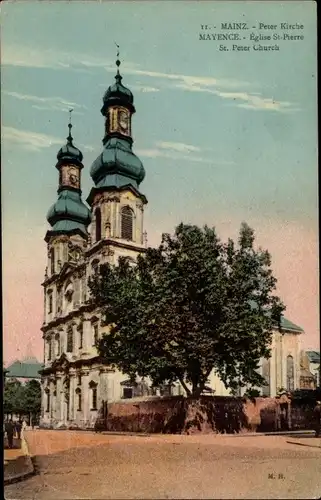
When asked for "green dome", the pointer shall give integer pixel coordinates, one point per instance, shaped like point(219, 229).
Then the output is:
point(69, 213)
point(118, 91)
point(69, 152)
point(117, 165)
point(117, 94)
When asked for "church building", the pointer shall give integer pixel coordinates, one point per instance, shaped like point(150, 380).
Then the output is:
point(75, 380)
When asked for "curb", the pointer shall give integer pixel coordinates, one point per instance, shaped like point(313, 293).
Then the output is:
point(304, 444)
point(276, 433)
point(23, 475)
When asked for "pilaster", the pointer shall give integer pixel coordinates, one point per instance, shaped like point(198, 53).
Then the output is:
point(72, 388)
point(85, 392)
point(60, 397)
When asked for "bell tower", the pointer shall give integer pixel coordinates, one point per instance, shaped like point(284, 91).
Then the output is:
point(68, 216)
point(116, 201)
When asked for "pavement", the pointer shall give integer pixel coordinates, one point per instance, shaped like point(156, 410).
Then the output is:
point(85, 465)
point(17, 461)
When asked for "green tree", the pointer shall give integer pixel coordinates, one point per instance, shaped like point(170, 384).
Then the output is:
point(191, 305)
point(13, 397)
point(32, 397)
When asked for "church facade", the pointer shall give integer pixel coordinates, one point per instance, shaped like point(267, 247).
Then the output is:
point(74, 379)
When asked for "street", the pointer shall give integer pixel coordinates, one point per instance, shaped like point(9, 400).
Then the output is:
point(85, 465)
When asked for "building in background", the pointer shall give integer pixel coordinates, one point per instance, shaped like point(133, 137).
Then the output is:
point(281, 371)
point(25, 370)
point(310, 369)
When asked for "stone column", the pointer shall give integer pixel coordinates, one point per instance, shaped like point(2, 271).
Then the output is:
point(60, 398)
point(117, 221)
point(72, 388)
point(113, 219)
point(85, 395)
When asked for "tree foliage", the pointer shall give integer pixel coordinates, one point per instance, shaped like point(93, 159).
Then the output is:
point(22, 399)
point(191, 305)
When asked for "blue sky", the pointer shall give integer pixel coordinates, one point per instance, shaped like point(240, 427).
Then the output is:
point(224, 136)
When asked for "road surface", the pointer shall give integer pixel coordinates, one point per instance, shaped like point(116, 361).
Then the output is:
point(85, 465)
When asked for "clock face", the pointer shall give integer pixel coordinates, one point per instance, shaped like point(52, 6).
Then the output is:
point(73, 179)
point(123, 121)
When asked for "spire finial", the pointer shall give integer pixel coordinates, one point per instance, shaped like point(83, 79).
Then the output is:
point(118, 76)
point(69, 138)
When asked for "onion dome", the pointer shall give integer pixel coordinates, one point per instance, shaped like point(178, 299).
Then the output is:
point(118, 91)
point(69, 206)
point(117, 165)
point(118, 94)
point(69, 214)
point(69, 152)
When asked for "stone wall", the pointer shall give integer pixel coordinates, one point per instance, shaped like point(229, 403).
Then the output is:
point(218, 414)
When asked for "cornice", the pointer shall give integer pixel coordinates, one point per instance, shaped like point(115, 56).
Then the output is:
point(109, 242)
point(64, 273)
point(61, 366)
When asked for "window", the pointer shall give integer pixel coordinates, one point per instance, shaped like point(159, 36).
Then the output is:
point(49, 349)
point(52, 261)
point(78, 392)
point(69, 291)
point(127, 392)
point(48, 400)
point(290, 373)
point(57, 338)
point(127, 223)
point(79, 380)
point(93, 388)
point(70, 340)
point(81, 335)
point(95, 333)
point(83, 289)
point(98, 224)
point(59, 300)
point(50, 302)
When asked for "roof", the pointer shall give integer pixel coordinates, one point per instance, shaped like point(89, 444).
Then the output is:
point(24, 369)
point(314, 356)
point(288, 325)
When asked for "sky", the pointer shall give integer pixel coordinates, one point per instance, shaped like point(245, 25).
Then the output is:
point(225, 135)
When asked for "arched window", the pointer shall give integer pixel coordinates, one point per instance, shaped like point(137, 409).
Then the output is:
point(290, 372)
point(52, 261)
point(127, 218)
point(49, 349)
point(78, 392)
point(48, 400)
point(98, 224)
point(81, 335)
point(266, 368)
point(93, 389)
point(70, 340)
point(69, 290)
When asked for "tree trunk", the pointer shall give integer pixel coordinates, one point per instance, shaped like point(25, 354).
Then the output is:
point(188, 392)
point(197, 390)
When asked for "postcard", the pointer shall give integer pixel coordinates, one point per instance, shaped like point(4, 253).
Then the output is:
point(160, 249)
